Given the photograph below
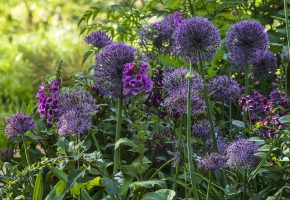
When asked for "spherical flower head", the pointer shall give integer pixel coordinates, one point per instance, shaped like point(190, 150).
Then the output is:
point(80, 100)
point(6, 154)
point(136, 80)
point(159, 34)
point(224, 88)
point(265, 66)
point(240, 154)
point(108, 71)
point(176, 79)
point(74, 122)
point(176, 103)
point(221, 143)
point(201, 129)
point(98, 39)
point(18, 124)
point(212, 162)
point(197, 38)
point(244, 40)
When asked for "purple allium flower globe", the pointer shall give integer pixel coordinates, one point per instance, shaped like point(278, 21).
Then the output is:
point(49, 107)
point(74, 122)
point(6, 154)
point(80, 100)
point(76, 118)
point(159, 34)
point(197, 38)
point(136, 82)
point(224, 88)
point(266, 65)
point(221, 142)
point(201, 129)
point(176, 79)
point(212, 162)
point(98, 39)
point(176, 103)
point(109, 67)
point(18, 124)
point(240, 154)
point(244, 40)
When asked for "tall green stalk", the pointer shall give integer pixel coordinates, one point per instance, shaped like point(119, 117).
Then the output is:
point(208, 107)
point(287, 71)
point(247, 72)
point(26, 152)
point(188, 137)
point(208, 186)
point(117, 160)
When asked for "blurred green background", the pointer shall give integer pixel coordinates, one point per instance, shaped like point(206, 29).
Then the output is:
point(34, 36)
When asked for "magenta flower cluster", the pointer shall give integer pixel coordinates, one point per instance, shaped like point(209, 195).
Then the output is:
point(49, 107)
point(18, 124)
point(135, 79)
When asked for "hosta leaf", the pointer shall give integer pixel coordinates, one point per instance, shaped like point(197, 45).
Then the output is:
point(238, 123)
point(147, 184)
point(125, 141)
point(164, 194)
point(284, 119)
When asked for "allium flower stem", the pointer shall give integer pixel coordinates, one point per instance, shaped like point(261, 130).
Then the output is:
point(208, 186)
point(208, 107)
point(247, 72)
point(117, 160)
point(26, 152)
point(231, 125)
point(96, 142)
point(188, 137)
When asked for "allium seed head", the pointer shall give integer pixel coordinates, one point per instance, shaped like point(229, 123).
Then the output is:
point(197, 38)
point(98, 39)
point(224, 88)
point(18, 124)
point(245, 40)
point(241, 154)
point(109, 68)
point(266, 65)
point(212, 162)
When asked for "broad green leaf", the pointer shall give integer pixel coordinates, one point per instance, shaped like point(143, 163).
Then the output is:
point(85, 195)
point(163, 194)
point(147, 184)
point(38, 187)
point(238, 123)
point(125, 141)
point(93, 183)
point(284, 119)
point(60, 174)
point(56, 191)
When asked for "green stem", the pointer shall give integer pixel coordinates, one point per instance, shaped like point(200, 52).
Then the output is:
point(188, 137)
point(231, 125)
point(96, 142)
point(246, 93)
point(253, 174)
point(209, 186)
point(245, 184)
point(117, 160)
point(208, 107)
point(160, 168)
point(287, 88)
point(26, 153)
